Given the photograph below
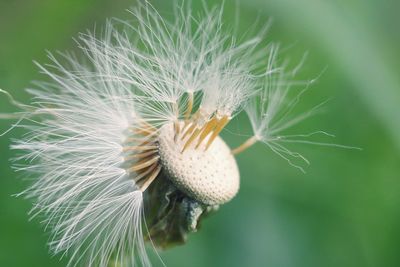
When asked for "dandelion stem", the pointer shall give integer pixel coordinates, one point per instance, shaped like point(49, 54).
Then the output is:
point(141, 155)
point(145, 172)
point(151, 178)
point(189, 130)
point(190, 121)
point(218, 128)
point(144, 164)
point(248, 143)
point(189, 105)
point(139, 148)
point(177, 127)
point(143, 131)
point(209, 127)
point(148, 126)
point(191, 139)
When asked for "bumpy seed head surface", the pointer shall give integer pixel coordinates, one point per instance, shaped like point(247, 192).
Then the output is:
point(209, 176)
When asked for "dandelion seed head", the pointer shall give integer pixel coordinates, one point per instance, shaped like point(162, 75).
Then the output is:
point(136, 126)
point(209, 176)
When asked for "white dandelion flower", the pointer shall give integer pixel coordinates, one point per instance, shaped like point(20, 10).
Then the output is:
point(130, 134)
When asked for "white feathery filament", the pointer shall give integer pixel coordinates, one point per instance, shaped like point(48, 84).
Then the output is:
point(93, 131)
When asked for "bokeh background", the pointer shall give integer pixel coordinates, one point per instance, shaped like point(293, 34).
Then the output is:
point(343, 212)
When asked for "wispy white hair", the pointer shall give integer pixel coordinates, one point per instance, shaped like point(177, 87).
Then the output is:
point(89, 203)
point(74, 144)
point(84, 116)
point(271, 110)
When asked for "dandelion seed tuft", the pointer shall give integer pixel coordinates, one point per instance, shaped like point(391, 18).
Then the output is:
point(124, 145)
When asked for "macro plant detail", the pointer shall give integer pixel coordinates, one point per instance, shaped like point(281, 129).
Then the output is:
point(125, 145)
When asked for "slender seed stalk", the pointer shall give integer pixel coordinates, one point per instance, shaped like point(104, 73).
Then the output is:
point(247, 144)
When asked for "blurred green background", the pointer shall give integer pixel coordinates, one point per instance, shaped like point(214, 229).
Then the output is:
point(343, 212)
